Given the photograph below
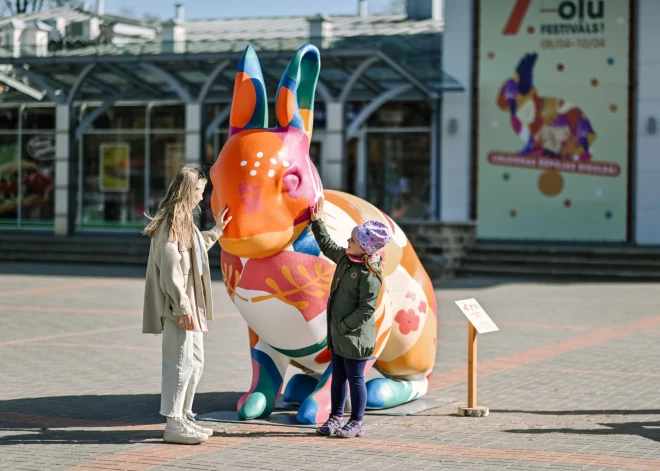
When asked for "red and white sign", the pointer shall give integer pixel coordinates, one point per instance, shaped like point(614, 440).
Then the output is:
point(527, 161)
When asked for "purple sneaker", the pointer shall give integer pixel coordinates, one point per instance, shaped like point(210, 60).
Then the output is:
point(352, 429)
point(331, 425)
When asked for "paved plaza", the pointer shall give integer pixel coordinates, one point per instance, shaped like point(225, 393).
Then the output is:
point(571, 380)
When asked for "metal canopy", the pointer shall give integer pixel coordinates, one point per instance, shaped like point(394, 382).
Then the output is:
point(369, 65)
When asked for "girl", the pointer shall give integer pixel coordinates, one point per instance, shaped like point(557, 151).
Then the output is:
point(177, 299)
point(351, 324)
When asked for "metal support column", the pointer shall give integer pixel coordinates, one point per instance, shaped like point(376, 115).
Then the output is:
point(434, 190)
point(193, 133)
point(332, 154)
point(62, 170)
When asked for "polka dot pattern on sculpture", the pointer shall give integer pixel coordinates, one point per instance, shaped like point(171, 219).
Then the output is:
point(253, 172)
point(244, 163)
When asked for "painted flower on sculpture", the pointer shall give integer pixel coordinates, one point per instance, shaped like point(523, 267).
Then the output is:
point(408, 321)
point(422, 307)
point(251, 197)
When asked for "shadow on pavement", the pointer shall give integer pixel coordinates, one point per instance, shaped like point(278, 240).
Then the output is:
point(85, 420)
point(100, 411)
point(120, 437)
point(650, 430)
point(645, 429)
point(82, 437)
point(580, 412)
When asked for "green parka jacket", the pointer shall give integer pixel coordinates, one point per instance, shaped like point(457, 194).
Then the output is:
point(352, 302)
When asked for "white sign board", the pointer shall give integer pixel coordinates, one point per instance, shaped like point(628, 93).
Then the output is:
point(476, 315)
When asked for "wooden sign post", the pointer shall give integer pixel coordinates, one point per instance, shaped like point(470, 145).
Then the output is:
point(478, 322)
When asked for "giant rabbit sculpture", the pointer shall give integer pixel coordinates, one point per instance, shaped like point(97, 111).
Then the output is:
point(274, 270)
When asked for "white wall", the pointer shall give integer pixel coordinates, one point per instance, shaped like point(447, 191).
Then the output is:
point(647, 147)
point(456, 149)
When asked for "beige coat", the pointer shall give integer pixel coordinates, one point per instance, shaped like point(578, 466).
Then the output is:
point(173, 286)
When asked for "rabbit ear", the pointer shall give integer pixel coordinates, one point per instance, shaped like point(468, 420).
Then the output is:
point(249, 108)
point(295, 94)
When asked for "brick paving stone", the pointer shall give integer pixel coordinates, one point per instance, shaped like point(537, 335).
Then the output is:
point(79, 386)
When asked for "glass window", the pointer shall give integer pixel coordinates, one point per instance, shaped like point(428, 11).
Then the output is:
point(212, 149)
point(315, 155)
point(168, 117)
point(38, 118)
point(351, 166)
point(8, 180)
point(113, 180)
point(398, 173)
point(168, 155)
point(8, 118)
point(120, 117)
point(38, 179)
point(401, 114)
point(210, 112)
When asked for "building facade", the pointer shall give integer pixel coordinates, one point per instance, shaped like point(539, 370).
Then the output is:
point(100, 111)
point(534, 120)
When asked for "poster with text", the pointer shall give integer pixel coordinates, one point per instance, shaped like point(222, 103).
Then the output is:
point(115, 167)
point(552, 150)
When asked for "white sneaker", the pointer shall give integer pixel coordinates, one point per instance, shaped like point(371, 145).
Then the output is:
point(195, 426)
point(190, 416)
point(179, 431)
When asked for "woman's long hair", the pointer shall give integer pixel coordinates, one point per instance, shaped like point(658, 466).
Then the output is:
point(176, 209)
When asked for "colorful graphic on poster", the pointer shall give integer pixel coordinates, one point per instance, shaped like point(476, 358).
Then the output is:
point(553, 120)
point(114, 167)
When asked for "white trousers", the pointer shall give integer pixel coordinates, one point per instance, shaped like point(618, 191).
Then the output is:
point(183, 363)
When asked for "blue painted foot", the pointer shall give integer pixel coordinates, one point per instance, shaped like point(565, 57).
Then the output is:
point(299, 387)
point(383, 393)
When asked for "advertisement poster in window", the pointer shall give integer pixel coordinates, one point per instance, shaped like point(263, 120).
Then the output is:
point(115, 167)
point(175, 156)
point(553, 120)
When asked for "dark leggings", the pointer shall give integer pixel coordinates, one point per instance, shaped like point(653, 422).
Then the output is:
point(348, 371)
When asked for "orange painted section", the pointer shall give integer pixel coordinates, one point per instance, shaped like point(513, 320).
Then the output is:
point(244, 93)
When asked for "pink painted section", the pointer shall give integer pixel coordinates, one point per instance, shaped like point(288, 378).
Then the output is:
point(255, 381)
point(277, 268)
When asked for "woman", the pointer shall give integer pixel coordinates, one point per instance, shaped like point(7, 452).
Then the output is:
point(351, 322)
point(177, 299)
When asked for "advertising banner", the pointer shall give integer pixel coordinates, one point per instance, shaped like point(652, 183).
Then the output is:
point(114, 166)
point(553, 114)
